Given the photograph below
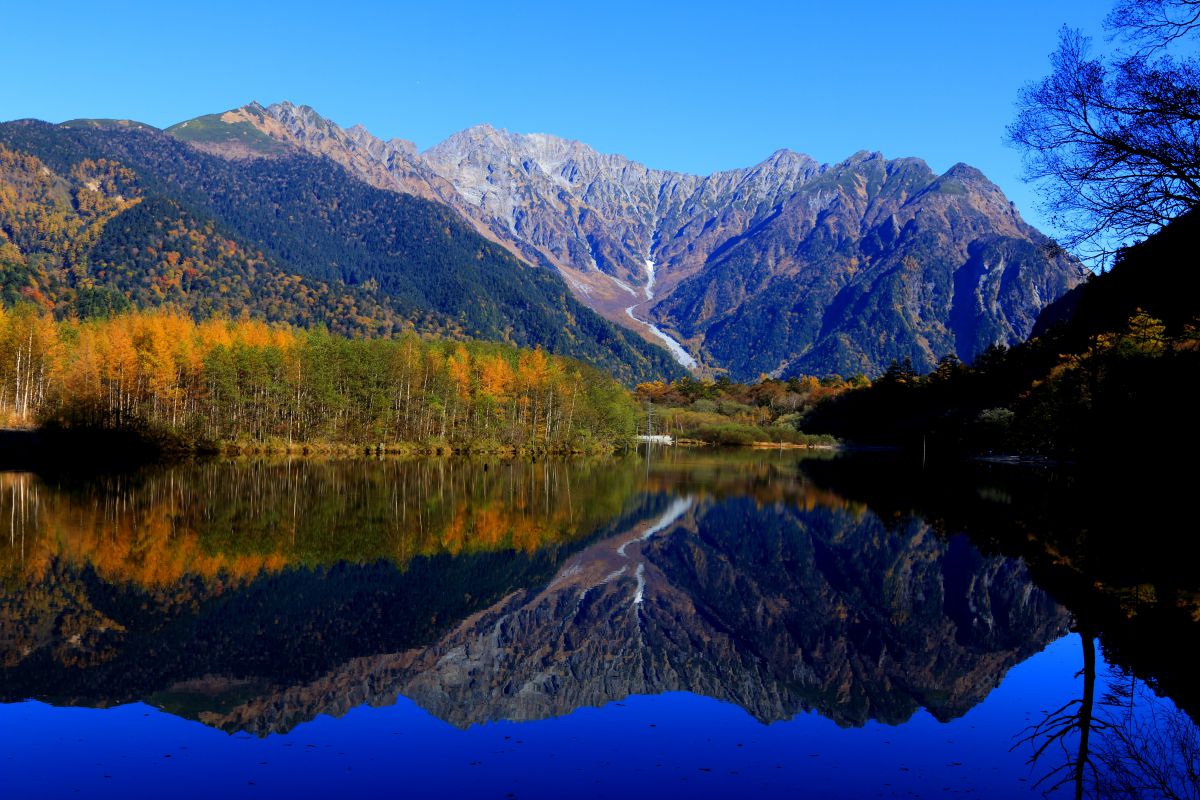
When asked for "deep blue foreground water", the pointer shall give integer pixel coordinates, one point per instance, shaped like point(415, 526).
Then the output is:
point(712, 626)
point(638, 747)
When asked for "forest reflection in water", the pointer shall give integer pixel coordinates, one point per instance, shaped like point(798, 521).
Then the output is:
point(256, 595)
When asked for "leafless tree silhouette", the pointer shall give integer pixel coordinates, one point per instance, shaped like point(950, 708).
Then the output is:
point(1114, 138)
point(1131, 745)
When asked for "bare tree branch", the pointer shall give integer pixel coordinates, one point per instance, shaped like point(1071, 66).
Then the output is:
point(1115, 140)
point(1154, 24)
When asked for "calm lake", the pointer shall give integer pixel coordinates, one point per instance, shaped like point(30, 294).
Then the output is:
point(675, 622)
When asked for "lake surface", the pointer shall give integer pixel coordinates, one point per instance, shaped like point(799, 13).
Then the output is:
point(708, 623)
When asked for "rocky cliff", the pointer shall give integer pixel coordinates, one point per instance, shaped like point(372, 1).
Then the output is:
point(787, 267)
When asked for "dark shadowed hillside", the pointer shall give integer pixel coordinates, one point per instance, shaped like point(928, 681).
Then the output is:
point(1109, 372)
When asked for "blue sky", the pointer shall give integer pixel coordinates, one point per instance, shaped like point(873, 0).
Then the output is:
point(693, 86)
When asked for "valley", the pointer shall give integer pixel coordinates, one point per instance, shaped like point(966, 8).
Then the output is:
point(677, 350)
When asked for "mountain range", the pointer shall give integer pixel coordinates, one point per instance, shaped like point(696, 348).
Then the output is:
point(786, 268)
point(103, 214)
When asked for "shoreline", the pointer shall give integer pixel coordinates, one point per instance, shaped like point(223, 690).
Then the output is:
point(98, 449)
point(58, 448)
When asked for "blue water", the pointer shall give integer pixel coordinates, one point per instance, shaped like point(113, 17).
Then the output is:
point(188, 634)
point(645, 746)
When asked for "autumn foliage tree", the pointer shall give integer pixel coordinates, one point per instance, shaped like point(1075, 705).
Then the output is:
point(245, 380)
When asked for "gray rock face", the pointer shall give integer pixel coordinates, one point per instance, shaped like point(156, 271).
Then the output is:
point(394, 164)
point(786, 267)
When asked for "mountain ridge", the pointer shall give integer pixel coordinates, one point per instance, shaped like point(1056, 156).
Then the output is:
point(287, 238)
point(751, 270)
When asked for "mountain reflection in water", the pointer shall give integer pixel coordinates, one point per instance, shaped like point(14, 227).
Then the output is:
point(255, 596)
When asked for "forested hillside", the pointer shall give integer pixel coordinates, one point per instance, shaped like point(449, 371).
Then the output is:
point(95, 217)
point(204, 384)
point(1109, 373)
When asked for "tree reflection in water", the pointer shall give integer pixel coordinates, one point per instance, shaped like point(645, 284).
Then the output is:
point(260, 595)
point(1133, 744)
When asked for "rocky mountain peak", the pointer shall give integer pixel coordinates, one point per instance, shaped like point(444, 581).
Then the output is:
point(467, 140)
point(785, 157)
point(296, 116)
point(394, 164)
point(967, 174)
point(863, 157)
point(246, 132)
point(404, 145)
point(788, 266)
